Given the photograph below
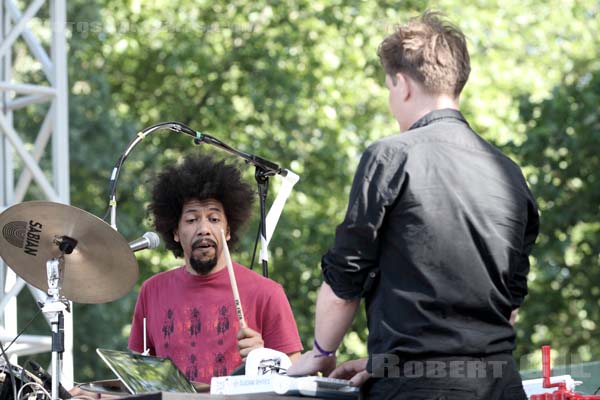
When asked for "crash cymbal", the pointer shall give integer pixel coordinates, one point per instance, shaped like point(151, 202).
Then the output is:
point(101, 268)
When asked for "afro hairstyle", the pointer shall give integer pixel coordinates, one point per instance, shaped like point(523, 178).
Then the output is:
point(199, 177)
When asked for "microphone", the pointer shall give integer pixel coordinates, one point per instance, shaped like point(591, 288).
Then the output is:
point(149, 240)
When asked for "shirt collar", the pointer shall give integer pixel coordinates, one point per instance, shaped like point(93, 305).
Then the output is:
point(435, 115)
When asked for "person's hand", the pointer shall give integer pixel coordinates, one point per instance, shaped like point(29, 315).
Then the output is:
point(310, 363)
point(353, 370)
point(248, 340)
point(78, 393)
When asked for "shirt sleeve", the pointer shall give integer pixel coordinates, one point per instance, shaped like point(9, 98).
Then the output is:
point(518, 283)
point(279, 330)
point(351, 264)
point(136, 336)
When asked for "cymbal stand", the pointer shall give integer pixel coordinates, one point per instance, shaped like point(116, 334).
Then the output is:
point(54, 307)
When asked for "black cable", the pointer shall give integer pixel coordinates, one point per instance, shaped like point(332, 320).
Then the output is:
point(172, 126)
point(25, 377)
point(10, 371)
point(23, 372)
point(596, 391)
point(266, 167)
point(113, 182)
point(4, 350)
point(255, 246)
point(63, 393)
point(23, 329)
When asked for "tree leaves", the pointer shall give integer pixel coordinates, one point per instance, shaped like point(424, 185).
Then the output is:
point(299, 83)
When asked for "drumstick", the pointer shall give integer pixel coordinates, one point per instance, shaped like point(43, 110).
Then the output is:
point(234, 288)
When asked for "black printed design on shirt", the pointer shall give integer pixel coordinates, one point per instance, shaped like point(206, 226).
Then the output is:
point(195, 326)
point(168, 326)
point(220, 367)
point(191, 371)
point(223, 323)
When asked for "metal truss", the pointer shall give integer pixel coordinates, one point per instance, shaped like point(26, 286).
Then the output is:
point(21, 173)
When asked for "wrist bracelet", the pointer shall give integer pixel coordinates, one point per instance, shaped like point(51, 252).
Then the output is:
point(321, 351)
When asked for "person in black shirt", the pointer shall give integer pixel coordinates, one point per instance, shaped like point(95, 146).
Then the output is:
point(436, 238)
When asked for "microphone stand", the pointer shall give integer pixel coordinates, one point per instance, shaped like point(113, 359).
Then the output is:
point(263, 170)
point(262, 180)
point(54, 307)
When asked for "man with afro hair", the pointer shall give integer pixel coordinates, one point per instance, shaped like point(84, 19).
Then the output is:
point(189, 311)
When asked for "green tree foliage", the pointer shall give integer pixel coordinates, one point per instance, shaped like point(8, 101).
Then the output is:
point(299, 83)
point(260, 77)
point(562, 153)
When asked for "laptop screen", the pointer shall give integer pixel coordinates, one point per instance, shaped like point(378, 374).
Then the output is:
point(143, 374)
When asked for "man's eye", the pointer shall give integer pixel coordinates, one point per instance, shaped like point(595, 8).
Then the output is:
point(214, 219)
point(191, 220)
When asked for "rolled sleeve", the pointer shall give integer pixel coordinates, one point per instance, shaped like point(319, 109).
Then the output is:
point(351, 265)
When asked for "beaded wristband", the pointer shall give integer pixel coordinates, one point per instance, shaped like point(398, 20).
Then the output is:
point(321, 351)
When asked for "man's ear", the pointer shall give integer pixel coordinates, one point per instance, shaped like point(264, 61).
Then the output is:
point(405, 85)
point(175, 235)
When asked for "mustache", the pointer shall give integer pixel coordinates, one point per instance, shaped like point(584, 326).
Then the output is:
point(203, 242)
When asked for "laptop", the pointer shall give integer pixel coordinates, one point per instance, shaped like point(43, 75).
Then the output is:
point(143, 374)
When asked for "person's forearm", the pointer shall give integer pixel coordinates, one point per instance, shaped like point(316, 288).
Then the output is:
point(333, 318)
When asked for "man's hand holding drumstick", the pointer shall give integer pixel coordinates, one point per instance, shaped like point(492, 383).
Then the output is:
point(248, 339)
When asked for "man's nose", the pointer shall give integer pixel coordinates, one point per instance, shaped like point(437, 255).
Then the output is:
point(203, 228)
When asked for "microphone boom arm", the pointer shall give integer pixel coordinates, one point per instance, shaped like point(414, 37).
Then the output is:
point(267, 167)
point(264, 169)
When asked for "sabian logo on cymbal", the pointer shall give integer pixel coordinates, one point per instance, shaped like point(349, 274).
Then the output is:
point(23, 235)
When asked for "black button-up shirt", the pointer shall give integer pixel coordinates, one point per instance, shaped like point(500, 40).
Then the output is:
point(437, 236)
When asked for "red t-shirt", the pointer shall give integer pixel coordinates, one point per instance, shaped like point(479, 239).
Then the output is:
point(191, 319)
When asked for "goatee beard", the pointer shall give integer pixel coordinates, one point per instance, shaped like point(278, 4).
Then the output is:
point(203, 267)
